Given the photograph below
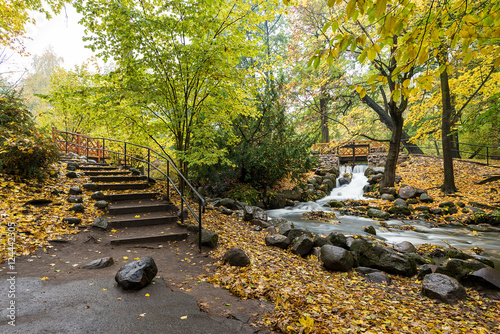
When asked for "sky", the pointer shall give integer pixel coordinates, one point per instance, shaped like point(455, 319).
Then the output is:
point(62, 32)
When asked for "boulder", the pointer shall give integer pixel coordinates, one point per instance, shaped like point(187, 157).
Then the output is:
point(367, 188)
point(90, 186)
point(378, 277)
point(277, 240)
point(487, 277)
point(229, 203)
point(400, 202)
point(338, 239)
point(71, 175)
point(343, 181)
point(366, 270)
point(100, 263)
point(436, 211)
point(448, 204)
point(260, 223)
point(374, 171)
point(405, 247)
point(375, 179)
point(75, 199)
point(236, 257)
point(458, 269)
point(387, 197)
point(426, 198)
point(100, 223)
point(335, 204)
point(135, 171)
point(456, 254)
point(320, 241)
point(137, 274)
point(285, 228)
point(443, 288)
point(98, 196)
point(254, 212)
point(72, 166)
point(374, 213)
point(77, 208)
point(336, 258)
point(297, 232)
point(370, 229)
point(75, 191)
point(375, 256)
point(101, 204)
point(227, 211)
point(400, 210)
point(208, 238)
point(388, 190)
point(302, 245)
point(426, 269)
point(72, 221)
point(407, 192)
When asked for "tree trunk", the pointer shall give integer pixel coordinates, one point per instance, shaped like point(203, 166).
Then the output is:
point(393, 154)
point(325, 136)
point(455, 146)
point(387, 121)
point(449, 177)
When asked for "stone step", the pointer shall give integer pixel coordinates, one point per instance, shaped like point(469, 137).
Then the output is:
point(103, 173)
point(149, 219)
point(150, 239)
point(97, 168)
point(122, 186)
point(143, 206)
point(107, 179)
point(131, 196)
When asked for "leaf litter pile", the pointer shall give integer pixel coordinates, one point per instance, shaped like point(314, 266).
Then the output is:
point(307, 298)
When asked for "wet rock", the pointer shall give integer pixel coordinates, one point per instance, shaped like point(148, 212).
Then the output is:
point(343, 181)
point(75, 191)
point(260, 223)
point(374, 213)
point(137, 274)
point(227, 211)
point(320, 241)
point(335, 204)
point(90, 186)
point(400, 202)
point(72, 166)
point(370, 229)
point(422, 208)
point(484, 260)
point(75, 199)
point(458, 269)
point(101, 204)
point(456, 254)
point(253, 212)
point(100, 222)
point(98, 196)
point(38, 202)
point(400, 209)
point(374, 171)
point(388, 190)
point(407, 192)
point(366, 270)
point(77, 208)
point(388, 197)
point(277, 240)
point(297, 232)
point(426, 269)
point(338, 239)
point(302, 245)
point(375, 256)
point(487, 277)
point(72, 221)
point(448, 204)
point(378, 277)
point(285, 228)
point(436, 211)
point(336, 258)
point(405, 247)
point(443, 288)
point(367, 188)
point(229, 204)
point(375, 179)
point(425, 198)
point(100, 263)
point(236, 257)
point(208, 238)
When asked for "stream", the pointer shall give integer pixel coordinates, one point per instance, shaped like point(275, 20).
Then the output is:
point(458, 237)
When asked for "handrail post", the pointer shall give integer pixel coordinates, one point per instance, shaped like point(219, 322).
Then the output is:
point(149, 161)
point(87, 143)
point(103, 150)
point(168, 181)
point(78, 142)
point(125, 156)
point(66, 143)
point(182, 201)
point(200, 202)
point(487, 156)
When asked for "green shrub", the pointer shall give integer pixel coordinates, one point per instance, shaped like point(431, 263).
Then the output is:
point(245, 193)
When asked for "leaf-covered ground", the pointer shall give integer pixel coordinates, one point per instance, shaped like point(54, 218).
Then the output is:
point(307, 298)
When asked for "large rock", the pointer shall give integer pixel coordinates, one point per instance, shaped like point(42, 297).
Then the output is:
point(100, 222)
point(75, 191)
point(388, 190)
point(137, 274)
point(374, 171)
point(407, 192)
point(338, 239)
point(374, 213)
point(277, 240)
point(335, 204)
point(400, 210)
point(72, 221)
point(336, 258)
point(90, 186)
point(208, 238)
point(285, 228)
point(487, 277)
point(254, 212)
point(101, 204)
point(71, 175)
point(456, 254)
point(387, 197)
point(236, 257)
point(405, 247)
point(375, 256)
point(425, 198)
point(100, 263)
point(401, 202)
point(370, 229)
point(75, 199)
point(302, 245)
point(458, 269)
point(320, 241)
point(98, 195)
point(77, 208)
point(343, 181)
point(297, 232)
point(378, 277)
point(443, 288)
point(229, 203)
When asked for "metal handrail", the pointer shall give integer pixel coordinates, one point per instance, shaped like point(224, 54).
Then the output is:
point(180, 192)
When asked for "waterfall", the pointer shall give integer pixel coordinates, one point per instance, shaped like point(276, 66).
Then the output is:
point(353, 190)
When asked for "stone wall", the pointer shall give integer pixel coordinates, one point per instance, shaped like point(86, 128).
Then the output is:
point(327, 161)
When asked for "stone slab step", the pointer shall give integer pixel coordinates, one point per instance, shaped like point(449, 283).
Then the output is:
point(149, 219)
point(103, 173)
point(150, 239)
point(141, 206)
point(116, 178)
point(123, 186)
point(97, 168)
point(130, 197)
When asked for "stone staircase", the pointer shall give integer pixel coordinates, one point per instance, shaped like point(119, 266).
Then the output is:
point(139, 217)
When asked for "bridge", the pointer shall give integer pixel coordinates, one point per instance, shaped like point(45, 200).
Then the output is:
point(351, 151)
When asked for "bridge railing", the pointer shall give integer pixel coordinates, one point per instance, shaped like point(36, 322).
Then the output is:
point(127, 153)
point(345, 149)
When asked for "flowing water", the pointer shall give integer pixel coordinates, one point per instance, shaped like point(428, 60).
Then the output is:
point(458, 237)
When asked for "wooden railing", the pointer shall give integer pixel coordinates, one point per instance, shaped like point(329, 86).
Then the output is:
point(345, 149)
point(80, 144)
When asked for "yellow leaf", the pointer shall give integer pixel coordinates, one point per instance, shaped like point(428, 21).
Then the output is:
point(104, 289)
point(137, 216)
point(184, 317)
point(497, 62)
point(147, 295)
point(406, 83)
point(44, 279)
point(125, 257)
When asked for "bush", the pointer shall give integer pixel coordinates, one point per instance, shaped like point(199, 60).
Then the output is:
point(245, 193)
